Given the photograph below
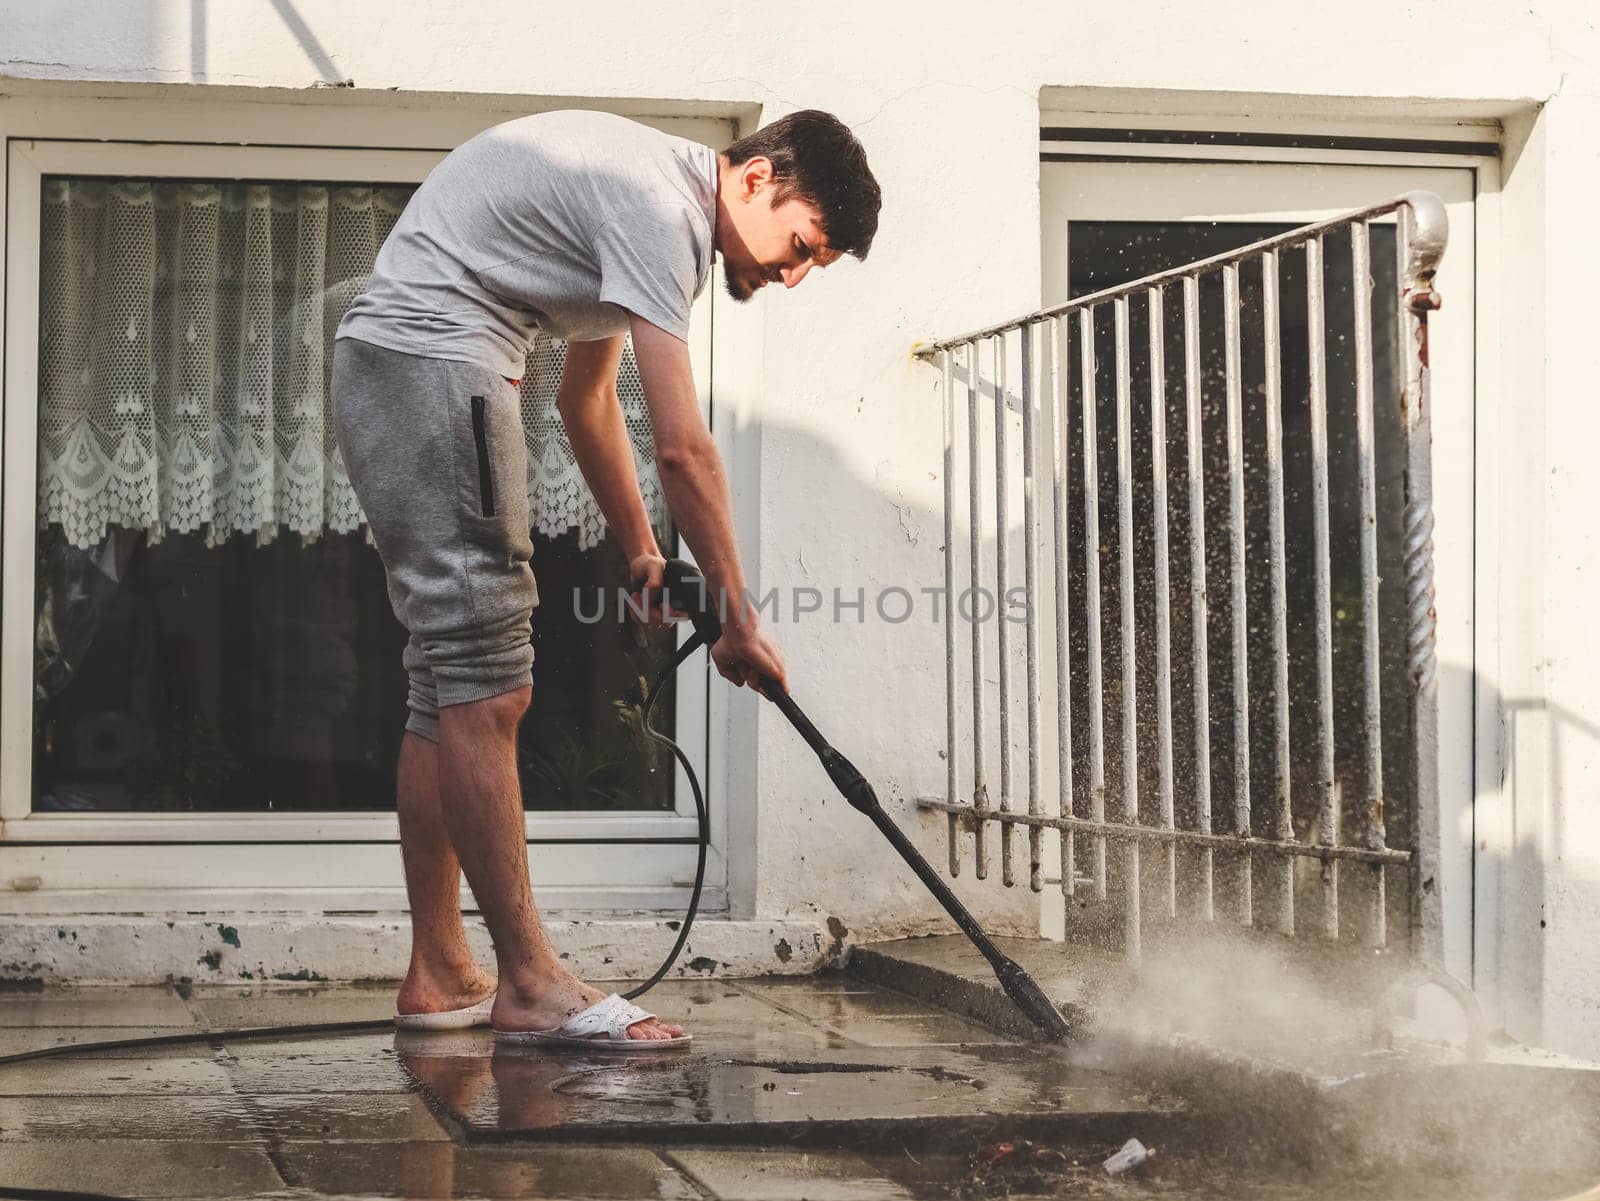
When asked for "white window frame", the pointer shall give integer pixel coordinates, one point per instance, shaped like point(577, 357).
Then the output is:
point(581, 860)
point(1470, 766)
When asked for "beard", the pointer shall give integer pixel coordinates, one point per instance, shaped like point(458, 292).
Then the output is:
point(737, 288)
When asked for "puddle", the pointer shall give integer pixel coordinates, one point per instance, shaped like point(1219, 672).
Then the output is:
point(777, 1091)
point(845, 1095)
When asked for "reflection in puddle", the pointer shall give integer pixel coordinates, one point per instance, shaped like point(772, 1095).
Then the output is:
point(492, 1091)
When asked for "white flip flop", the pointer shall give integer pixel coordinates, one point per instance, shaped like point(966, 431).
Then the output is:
point(601, 1027)
point(450, 1019)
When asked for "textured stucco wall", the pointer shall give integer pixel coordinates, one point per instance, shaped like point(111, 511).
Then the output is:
point(946, 99)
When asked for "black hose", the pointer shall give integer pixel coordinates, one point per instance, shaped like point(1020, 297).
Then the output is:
point(688, 648)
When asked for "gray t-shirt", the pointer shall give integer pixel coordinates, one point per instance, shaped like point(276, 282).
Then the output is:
point(563, 222)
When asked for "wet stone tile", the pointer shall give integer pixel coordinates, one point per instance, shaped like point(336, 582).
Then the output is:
point(122, 1006)
point(760, 1175)
point(379, 1044)
point(262, 1072)
point(912, 1030)
point(364, 1042)
point(349, 1117)
point(758, 1066)
point(446, 1170)
point(115, 1078)
point(826, 1006)
point(232, 1008)
point(823, 984)
point(875, 1017)
point(409, 1045)
point(533, 1093)
point(728, 1019)
point(140, 1168)
point(212, 1119)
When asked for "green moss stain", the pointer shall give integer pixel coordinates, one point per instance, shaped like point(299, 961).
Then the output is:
point(229, 935)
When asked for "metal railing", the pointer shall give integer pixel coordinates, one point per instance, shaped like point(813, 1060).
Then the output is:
point(1337, 651)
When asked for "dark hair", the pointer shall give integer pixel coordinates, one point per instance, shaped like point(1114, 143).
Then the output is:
point(815, 158)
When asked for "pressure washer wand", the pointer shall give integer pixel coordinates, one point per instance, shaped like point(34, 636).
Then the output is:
point(686, 592)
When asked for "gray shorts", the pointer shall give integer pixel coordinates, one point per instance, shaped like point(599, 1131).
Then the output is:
point(436, 456)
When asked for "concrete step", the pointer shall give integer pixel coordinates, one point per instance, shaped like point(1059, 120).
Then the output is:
point(221, 948)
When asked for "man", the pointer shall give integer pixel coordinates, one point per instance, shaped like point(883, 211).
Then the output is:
point(589, 227)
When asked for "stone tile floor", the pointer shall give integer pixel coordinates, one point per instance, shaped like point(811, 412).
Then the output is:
point(824, 1088)
point(775, 1064)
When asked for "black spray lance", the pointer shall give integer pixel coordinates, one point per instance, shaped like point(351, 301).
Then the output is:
point(686, 593)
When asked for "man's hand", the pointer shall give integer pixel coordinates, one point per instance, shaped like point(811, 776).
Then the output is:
point(744, 655)
point(647, 585)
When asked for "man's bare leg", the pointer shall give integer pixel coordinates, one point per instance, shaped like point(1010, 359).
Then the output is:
point(478, 773)
point(443, 974)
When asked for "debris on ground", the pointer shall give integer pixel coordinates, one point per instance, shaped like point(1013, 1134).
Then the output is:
point(1022, 1167)
point(1133, 1154)
point(1015, 1166)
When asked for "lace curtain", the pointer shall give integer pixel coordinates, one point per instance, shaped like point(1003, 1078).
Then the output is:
point(186, 338)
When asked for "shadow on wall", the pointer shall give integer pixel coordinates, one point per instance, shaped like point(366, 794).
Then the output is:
point(853, 504)
point(1547, 874)
point(305, 37)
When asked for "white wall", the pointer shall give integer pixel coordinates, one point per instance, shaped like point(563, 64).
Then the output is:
point(946, 99)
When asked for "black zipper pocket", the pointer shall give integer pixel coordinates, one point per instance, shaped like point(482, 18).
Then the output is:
point(480, 435)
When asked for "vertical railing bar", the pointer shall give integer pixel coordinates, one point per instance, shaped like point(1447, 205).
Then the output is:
point(1236, 565)
point(1327, 807)
point(1030, 574)
point(1416, 541)
point(1158, 502)
point(1414, 276)
point(1283, 811)
point(1002, 560)
point(1371, 716)
point(1130, 664)
point(951, 766)
point(980, 786)
point(1061, 461)
point(1194, 431)
point(1091, 569)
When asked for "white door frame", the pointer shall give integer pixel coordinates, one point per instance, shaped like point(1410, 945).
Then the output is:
point(582, 860)
point(1166, 183)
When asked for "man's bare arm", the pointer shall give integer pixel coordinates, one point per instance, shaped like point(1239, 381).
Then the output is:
point(696, 488)
point(587, 400)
